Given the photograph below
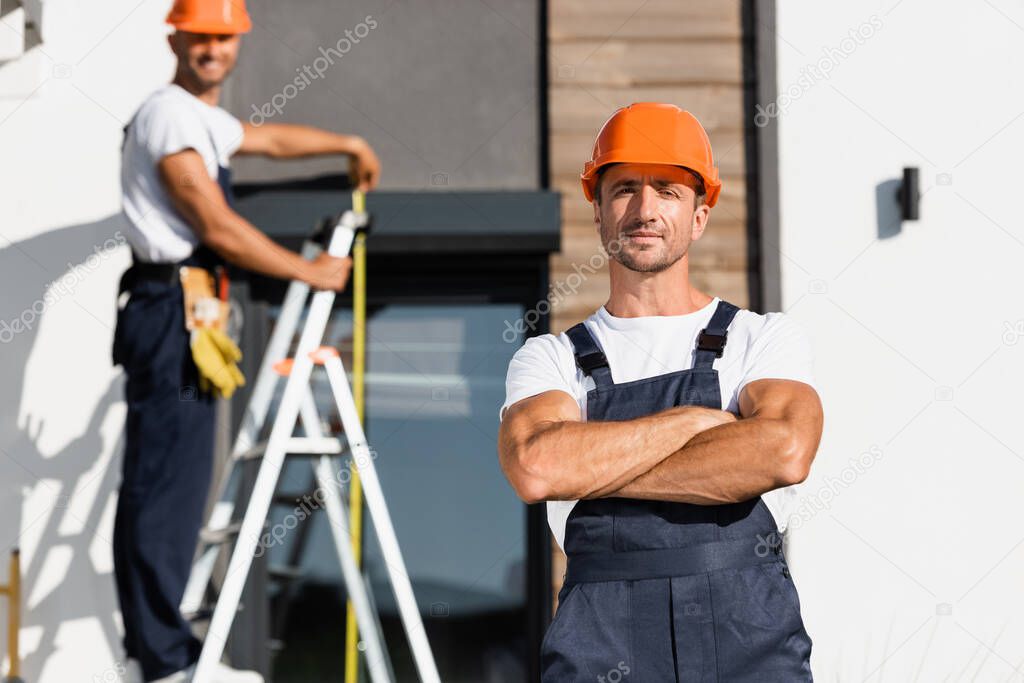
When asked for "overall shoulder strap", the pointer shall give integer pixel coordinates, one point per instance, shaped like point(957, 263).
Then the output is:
point(711, 340)
point(589, 358)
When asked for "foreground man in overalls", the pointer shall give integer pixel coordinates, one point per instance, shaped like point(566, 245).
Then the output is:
point(181, 227)
point(659, 431)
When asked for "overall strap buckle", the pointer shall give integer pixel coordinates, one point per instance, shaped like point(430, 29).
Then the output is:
point(711, 340)
point(707, 341)
point(591, 361)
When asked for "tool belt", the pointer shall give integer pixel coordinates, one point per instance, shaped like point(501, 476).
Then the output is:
point(166, 273)
point(206, 315)
point(205, 293)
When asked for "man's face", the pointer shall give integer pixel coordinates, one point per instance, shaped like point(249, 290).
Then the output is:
point(207, 58)
point(646, 215)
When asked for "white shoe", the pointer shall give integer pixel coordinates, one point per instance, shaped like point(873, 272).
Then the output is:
point(222, 673)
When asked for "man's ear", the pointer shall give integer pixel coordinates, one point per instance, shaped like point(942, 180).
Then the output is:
point(597, 213)
point(701, 215)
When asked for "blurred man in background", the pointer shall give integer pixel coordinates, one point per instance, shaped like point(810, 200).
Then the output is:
point(178, 204)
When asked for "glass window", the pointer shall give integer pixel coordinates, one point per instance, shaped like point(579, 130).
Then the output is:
point(434, 383)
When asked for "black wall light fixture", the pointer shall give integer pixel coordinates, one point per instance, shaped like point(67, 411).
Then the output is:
point(909, 194)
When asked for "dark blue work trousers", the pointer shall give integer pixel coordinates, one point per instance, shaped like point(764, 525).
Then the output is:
point(168, 460)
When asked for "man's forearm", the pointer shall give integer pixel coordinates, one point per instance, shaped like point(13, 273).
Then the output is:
point(592, 459)
point(242, 245)
point(287, 141)
point(729, 463)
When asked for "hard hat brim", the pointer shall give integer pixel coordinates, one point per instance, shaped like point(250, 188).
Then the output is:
point(712, 185)
point(213, 28)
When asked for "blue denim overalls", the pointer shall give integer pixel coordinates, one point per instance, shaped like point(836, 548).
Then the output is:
point(660, 591)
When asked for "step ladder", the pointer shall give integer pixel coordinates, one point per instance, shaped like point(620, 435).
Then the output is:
point(297, 405)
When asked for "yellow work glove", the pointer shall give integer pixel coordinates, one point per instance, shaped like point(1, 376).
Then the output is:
point(216, 356)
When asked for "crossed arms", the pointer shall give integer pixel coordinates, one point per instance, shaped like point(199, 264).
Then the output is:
point(687, 454)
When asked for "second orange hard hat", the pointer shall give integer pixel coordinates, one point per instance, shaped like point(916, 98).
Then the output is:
point(210, 16)
point(653, 133)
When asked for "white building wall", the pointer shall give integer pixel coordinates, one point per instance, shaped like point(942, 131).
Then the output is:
point(63, 104)
point(908, 553)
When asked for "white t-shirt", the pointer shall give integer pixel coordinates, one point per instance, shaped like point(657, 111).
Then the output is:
point(169, 121)
point(758, 346)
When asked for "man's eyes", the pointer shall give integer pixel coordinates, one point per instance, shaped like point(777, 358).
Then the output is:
point(630, 189)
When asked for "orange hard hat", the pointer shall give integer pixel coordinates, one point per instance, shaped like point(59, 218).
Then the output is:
point(653, 133)
point(210, 16)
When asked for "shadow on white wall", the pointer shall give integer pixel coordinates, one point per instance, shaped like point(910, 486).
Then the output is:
point(60, 477)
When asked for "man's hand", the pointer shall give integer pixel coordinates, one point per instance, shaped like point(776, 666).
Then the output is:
point(329, 272)
point(706, 418)
point(364, 168)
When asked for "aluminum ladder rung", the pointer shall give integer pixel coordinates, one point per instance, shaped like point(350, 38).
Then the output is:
point(298, 445)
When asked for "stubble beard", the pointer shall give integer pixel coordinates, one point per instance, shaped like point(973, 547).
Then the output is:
point(620, 250)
